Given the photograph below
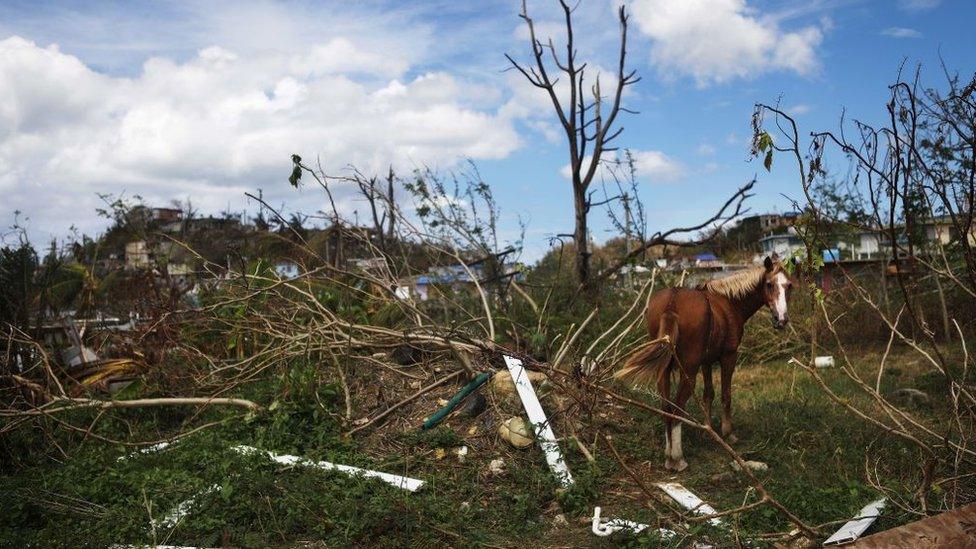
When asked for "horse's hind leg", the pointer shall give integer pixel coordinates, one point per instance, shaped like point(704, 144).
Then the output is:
point(728, 367)
point(675, 460)
point(708, 392)
point(664, 390)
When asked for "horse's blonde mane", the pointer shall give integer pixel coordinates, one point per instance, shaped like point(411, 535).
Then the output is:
point(737, 284)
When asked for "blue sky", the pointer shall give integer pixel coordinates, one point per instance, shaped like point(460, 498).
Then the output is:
point(206, 100)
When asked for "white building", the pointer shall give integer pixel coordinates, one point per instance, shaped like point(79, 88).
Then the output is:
point(860, 245)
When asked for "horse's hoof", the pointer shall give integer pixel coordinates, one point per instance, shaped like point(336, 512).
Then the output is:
point(731, 438)
point(676, 465)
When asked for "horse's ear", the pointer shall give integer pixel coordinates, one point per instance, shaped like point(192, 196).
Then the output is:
point(768, 263)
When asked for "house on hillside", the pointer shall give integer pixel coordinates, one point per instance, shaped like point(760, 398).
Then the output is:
point(453, 278)
point(160, 216)
point(867, 245)
point(166, 215)
point(137, 255)
point(858, 246)
point(707, 260)
point(211, 223)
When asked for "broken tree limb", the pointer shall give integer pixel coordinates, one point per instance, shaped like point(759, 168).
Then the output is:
point(66, 404)
point(405, 401)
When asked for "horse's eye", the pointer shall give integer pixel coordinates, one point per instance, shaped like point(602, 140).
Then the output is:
point(769, 284)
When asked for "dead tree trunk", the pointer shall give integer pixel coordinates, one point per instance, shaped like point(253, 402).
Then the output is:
point(588, 126)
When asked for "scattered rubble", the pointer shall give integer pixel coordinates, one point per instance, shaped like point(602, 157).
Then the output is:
point(497, 466)
point(503, 387)
point(754, 466)
point(516, 432)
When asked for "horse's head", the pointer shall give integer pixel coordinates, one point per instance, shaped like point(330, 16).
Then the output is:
point(776, 287)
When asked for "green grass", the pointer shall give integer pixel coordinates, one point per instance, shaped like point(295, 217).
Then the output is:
point(816, 452)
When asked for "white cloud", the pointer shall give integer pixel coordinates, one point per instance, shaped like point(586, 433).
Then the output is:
point(652, 166)
point(219, 123)
point(918, 5)
point(706, 149)
point(715, 41)
point(799, 110)
point(901, 32)
point(657, 167)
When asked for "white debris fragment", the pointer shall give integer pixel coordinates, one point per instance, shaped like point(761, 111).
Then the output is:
point(147, 450)
point(603, 527)
point(181, 510)
point(689, 501)
point(406, 483)
point(754, 466)
point(497, 466)
point(119, 546)
point(858, 525)
point(824, 362)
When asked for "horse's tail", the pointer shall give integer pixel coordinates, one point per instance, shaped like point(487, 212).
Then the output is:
point(650, 362)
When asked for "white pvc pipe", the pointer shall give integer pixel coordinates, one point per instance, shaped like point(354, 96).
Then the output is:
point(543, 431)
point(406, 483)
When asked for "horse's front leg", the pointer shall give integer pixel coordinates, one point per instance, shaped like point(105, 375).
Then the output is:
point(728, 366)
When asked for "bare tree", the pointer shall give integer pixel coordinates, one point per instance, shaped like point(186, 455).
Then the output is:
point(588, 129)
point(589, 121)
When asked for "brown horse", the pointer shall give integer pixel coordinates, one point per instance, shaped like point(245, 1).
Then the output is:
point(693, 329)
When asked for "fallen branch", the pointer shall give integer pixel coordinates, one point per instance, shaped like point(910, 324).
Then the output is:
point(81, 403)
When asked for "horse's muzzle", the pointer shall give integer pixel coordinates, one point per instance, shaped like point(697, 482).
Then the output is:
point(780, 324)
